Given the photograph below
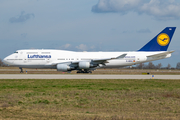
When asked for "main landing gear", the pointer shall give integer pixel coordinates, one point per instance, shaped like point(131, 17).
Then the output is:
point(21, 69)
point(84, 71)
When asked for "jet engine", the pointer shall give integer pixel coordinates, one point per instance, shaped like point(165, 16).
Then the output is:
point(84, 65)
point(63, 67)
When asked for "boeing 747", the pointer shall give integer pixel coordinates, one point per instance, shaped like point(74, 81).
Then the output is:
point(86, 62)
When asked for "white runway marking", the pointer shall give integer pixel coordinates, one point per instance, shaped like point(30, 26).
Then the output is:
point(70, 76)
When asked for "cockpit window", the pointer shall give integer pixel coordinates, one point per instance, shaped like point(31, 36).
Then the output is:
point(15, 52)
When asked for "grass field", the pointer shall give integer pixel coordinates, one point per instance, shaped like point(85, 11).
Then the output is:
point(90, 99)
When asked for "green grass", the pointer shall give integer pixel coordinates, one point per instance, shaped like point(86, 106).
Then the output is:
point(90, 99)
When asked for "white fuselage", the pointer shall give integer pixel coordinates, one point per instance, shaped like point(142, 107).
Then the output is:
point(50, 58)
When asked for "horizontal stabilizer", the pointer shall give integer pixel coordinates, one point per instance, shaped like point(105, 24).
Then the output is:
point(161, 54)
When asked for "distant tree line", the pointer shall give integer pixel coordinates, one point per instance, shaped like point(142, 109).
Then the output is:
point(150, 65)
point(178, 65)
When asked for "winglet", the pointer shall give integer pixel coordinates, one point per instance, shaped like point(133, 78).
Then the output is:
point(121, 56)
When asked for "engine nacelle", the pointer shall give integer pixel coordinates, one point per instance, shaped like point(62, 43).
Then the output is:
point(63, 67)
point(84, 65)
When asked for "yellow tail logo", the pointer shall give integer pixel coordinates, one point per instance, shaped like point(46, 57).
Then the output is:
point(163, 39)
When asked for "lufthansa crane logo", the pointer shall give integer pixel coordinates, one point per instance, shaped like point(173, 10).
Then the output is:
point(163, 39)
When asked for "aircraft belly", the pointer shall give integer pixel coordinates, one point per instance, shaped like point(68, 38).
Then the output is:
point(36, 66)
point(118, 63)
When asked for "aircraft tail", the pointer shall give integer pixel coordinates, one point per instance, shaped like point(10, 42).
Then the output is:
point(161, 41)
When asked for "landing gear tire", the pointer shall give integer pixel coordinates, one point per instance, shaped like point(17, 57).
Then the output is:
point(84, 71)
point(87, 71)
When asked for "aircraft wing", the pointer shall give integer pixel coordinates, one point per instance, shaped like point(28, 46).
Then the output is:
point(93, 61)
point(105, 59)
point(161, 54)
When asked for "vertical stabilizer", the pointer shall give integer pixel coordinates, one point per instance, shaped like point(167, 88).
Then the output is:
point(161, 41)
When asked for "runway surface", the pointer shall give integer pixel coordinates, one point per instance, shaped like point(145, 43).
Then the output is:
point(80, 76)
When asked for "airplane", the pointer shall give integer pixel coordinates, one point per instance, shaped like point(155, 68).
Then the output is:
point(86, 62)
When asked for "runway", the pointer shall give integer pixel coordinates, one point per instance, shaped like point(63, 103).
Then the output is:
point(80, 76)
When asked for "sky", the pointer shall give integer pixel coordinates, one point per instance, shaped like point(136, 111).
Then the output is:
point(87, 25)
